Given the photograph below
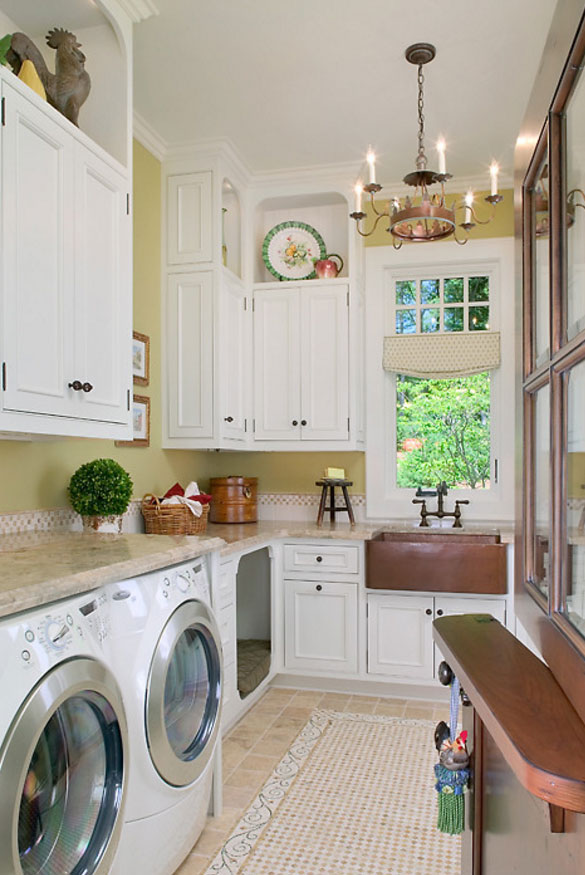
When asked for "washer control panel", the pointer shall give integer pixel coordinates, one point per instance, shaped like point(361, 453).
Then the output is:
point(190, 579)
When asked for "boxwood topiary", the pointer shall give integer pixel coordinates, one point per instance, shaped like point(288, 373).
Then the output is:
point(100, 488)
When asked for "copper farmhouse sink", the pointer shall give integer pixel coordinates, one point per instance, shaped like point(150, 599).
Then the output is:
point(436, 562)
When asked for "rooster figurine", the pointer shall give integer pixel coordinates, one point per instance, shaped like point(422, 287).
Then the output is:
point(68, 87)
point(453, 754)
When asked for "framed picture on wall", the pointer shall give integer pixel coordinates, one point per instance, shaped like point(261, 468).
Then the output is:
point(140, 423)
point(140, 358)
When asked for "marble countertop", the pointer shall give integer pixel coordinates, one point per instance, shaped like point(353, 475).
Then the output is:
point(246, 536)
point(41, 567)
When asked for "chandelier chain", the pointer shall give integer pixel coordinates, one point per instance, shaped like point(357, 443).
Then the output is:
point(421, 160)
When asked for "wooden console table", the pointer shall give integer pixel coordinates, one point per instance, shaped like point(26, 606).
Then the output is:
point(528, 754)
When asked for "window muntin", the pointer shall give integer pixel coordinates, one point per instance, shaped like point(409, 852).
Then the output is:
point(442, 304)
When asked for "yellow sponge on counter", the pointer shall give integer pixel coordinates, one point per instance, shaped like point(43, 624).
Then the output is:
point(334, 473)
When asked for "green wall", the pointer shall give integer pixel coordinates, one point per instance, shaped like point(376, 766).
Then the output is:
point(35, 474)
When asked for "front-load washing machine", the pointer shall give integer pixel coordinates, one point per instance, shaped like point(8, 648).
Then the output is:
point(166, 645)
point(63, 742)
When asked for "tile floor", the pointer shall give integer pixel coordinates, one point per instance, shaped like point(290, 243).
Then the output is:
point(259, 741)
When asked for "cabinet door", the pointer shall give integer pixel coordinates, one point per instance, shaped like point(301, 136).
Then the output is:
point(321, 626)
point(450, 606)
point(37, 262)
point(277, 398)
point(234, 365)
point(189, 333)
point(325, 363)
point(189, 220)
point(103, 293)
point(400, 636)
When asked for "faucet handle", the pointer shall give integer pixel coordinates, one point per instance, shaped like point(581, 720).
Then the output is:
point(419, 501)
point(462, 501)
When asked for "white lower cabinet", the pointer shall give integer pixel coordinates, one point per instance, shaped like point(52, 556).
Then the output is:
point(400, 630)
point(321, 626)
point(400, 635)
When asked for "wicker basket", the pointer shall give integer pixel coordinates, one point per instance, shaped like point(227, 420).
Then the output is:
point(171, 519)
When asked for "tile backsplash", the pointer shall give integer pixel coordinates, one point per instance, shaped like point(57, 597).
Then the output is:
point(299, 507)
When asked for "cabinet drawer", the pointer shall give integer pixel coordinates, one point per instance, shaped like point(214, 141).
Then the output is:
point(327, 559)
point(227, 631)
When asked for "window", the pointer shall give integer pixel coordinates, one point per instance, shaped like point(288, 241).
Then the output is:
point(424, 425)
point(442, 304)
point(442, 425)
point(443, 432)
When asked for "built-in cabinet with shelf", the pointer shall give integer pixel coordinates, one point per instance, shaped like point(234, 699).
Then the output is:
point(66, 252)
point(286, 373)
point(207, 310)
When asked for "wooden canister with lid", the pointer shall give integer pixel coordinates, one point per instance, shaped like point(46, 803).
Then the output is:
point(234, 499)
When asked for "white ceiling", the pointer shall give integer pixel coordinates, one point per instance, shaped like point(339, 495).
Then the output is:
point(315, 82)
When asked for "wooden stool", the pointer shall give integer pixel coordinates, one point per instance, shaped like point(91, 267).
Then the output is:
point(330, 485)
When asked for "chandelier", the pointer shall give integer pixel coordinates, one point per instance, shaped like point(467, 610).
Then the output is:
point(424, 216)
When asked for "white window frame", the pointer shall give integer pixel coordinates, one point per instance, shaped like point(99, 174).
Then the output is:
point(383, 266)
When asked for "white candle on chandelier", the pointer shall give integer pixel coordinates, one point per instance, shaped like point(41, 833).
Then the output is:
point(371, 159)
point(441, 145)
point(468, 205)
point(494, 170)
point(358, 197)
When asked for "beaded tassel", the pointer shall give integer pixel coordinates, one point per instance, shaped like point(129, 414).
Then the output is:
point(452, 773)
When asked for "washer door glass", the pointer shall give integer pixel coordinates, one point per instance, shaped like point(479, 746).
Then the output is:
point(72, 790)
point(190, 692)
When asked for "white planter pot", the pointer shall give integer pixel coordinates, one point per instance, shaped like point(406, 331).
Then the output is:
point(110, 523)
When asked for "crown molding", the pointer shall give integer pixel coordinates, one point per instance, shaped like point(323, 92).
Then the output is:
point(148, 137)
point(138, 10)
point(212, 146)
point(341, 173)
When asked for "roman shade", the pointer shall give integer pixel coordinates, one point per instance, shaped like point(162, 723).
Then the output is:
point(440, 356)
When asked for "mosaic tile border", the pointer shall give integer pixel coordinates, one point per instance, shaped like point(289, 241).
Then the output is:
point(237, 848)
point(271, 505)
point(304, 499)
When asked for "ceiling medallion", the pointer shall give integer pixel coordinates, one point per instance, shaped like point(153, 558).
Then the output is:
point(424, 217)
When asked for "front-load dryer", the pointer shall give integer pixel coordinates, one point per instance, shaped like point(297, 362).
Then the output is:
point(63, 742)
point(166, 643)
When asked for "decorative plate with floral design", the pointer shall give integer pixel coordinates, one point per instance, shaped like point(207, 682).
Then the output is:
point(288, 251)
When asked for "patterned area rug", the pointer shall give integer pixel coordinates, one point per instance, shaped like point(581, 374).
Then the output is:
point(354, 795)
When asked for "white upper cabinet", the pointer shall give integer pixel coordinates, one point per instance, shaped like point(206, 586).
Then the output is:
point(234, 363)
point(37, 270)
point(301, 363)
point(189, 353)
point(285, 372)
point(325, 363)
point(103, 315)
point(207, 309)
point(189, 225)
point(66, 241)
point(277, 349)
